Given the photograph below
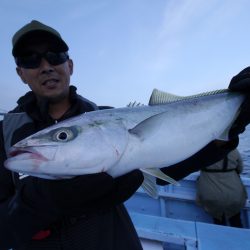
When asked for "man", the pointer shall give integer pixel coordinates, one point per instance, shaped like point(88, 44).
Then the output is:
point(85, 212)
point(82, 213)
point(220, 191)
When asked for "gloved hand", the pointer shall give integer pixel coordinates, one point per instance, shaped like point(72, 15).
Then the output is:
point(126, 185)
point(123, 188)
point(241, 83)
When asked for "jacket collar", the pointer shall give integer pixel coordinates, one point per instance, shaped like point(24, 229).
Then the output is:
point(38, 111)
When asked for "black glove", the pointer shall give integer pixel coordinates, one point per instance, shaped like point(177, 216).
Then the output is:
point(123, 188)
point(126, 185)
point(241, 83)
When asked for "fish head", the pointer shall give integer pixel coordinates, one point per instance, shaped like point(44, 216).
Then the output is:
point(68, 150)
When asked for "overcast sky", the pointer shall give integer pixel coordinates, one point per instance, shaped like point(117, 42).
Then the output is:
point(123, 49)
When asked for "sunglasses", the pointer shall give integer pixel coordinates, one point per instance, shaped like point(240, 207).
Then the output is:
point(33, 61)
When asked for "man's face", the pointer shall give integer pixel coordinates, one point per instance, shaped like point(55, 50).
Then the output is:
point(47, 80)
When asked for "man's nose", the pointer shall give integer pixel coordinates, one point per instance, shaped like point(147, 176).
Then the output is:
point(45, 66)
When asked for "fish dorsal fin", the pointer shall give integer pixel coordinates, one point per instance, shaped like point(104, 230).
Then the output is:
point(161, 97)
point(134, 104)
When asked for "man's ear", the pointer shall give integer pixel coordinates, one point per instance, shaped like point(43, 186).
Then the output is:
point(21, 75)
point(71, 66)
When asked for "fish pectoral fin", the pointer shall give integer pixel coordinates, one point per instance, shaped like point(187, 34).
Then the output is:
point(149, 185)
point(148, 126)
point(159, 174)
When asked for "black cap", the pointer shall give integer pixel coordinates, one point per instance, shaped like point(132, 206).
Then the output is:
point(34, 29)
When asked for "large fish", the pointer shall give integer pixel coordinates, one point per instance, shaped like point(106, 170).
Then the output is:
point(167, 131)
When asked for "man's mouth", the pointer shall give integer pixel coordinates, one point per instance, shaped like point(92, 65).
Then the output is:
point(50, 83)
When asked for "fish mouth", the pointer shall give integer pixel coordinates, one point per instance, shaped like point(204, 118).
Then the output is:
point(25, 153)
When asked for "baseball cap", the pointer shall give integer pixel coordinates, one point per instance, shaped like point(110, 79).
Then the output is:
point(36, 29)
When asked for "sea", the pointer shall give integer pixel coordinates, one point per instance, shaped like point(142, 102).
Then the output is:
point(244, 149)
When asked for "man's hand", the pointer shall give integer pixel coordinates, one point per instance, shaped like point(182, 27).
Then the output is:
point(241, 83)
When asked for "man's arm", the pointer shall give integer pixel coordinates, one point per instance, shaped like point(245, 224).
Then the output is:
point(241, 83)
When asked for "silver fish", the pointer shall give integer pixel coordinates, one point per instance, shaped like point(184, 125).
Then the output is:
point(168, 130)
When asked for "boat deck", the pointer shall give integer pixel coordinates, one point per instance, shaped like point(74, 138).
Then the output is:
point(175, 222)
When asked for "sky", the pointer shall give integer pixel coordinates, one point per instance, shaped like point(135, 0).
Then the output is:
point(123, 49)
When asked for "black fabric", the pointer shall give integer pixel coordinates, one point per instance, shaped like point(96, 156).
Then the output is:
point(102, 231)
point(225, 164)
point(38, 204)
point(241, 83)
point(218, 170)
point(234, 221)
point(65, 197)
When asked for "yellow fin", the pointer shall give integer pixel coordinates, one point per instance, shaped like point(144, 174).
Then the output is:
point(161, 97)
point(159, 174)
point(149, 185)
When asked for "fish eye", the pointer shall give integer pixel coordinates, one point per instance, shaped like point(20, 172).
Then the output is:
point(63, 135)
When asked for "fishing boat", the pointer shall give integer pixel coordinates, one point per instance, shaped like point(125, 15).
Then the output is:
point(175, 222)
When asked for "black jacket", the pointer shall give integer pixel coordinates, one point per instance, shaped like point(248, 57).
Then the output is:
point(106, 226)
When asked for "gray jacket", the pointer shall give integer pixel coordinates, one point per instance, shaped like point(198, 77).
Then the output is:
point(220, 189)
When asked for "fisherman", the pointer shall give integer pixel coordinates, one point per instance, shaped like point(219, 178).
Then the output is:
point(85, 212)
point(220, 191)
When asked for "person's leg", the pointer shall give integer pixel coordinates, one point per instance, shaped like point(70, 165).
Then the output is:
point(235, 221)
point(221, 221)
